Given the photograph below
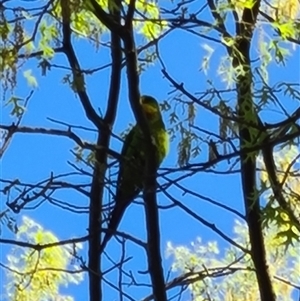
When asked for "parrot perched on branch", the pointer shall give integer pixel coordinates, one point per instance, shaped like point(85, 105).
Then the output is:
point(133, 162)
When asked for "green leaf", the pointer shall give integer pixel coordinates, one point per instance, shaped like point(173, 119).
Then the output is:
point(18, 109)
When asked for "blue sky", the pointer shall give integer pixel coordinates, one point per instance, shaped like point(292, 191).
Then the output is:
point(33, 157)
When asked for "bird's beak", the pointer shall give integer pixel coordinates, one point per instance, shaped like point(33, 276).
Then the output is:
point(149, 109)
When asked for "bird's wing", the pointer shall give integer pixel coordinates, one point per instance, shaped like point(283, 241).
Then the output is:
point(125, 152)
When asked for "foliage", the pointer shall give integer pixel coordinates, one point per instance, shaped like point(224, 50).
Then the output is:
point(287, 163)
point(46, 35)
point(39, 274)
point(240, 282)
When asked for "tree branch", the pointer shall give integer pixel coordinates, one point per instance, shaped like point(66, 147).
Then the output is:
point(246, 112)
point(113, 22)
point(151, 209)
point(276, 186)
point(65, 133)
point(77, 74)
point(39, 247)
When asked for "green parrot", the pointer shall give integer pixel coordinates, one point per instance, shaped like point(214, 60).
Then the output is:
point(132, 167)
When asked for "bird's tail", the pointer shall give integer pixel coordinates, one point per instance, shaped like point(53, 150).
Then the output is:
point(114, 221)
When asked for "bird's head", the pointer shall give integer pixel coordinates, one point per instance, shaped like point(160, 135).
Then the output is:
point(150, 107)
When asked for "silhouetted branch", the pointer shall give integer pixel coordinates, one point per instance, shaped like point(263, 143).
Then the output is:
point(206, 223)
point(39, 247)
point(276, 186)
point(73, 61)
point(246, 112)
point(56, 132)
